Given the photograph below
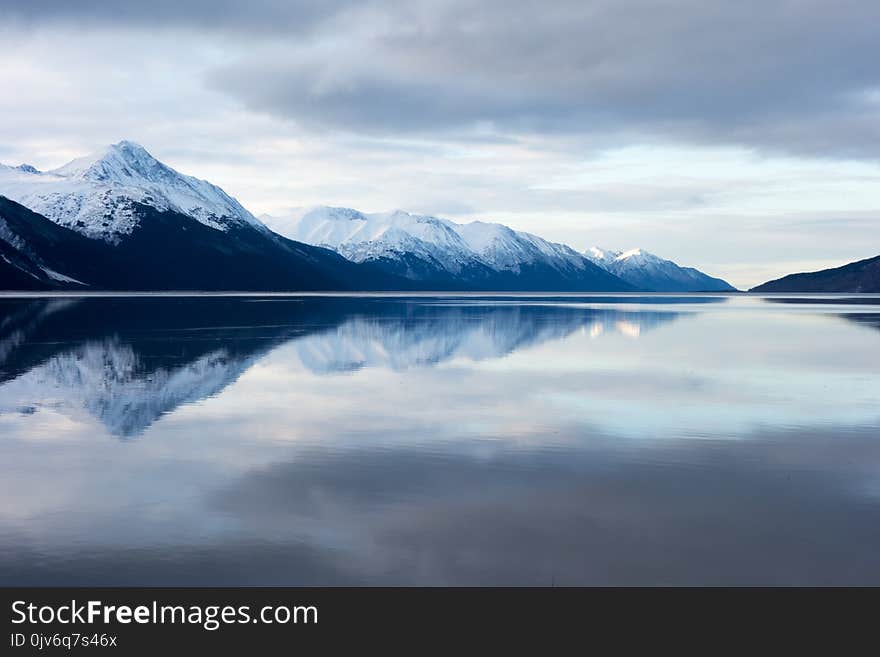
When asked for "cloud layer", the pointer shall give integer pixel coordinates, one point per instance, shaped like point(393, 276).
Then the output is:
point(798, 76)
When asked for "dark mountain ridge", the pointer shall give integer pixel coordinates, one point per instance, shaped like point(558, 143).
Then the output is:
point(860, 276)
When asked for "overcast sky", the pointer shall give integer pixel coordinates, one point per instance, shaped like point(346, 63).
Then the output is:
point(742, 138)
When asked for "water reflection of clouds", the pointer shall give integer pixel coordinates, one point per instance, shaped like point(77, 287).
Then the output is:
point(785, 507)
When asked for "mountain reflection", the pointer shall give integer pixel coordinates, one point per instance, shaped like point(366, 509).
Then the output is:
point(128, 361)
point(401, 336)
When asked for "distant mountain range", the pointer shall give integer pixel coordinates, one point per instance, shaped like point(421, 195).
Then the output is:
point(861, 276)
point(121, 220)
point(649, 272)
point(443, 254)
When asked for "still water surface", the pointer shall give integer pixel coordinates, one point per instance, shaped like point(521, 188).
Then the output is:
point(440, 440)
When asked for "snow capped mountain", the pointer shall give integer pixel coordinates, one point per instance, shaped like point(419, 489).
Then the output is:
point(361, 237)
point(96, 195)
point(650, 272)
point(506, 249)
point(122, 220)
point(440, 252)
point(485, 255)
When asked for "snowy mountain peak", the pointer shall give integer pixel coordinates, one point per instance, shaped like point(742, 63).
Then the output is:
point(97, 195)
point(651, 272)
point(630, 257)
point(122, 162)
point(600, 256)
point(360, 237)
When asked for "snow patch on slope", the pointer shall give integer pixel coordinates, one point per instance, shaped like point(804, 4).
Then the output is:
point(54, 275)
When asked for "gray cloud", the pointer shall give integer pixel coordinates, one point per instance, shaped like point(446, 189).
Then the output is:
point(795, 76)
point(228, 15)
point(792, 76)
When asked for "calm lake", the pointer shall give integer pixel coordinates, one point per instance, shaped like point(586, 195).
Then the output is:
point(320, 440)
